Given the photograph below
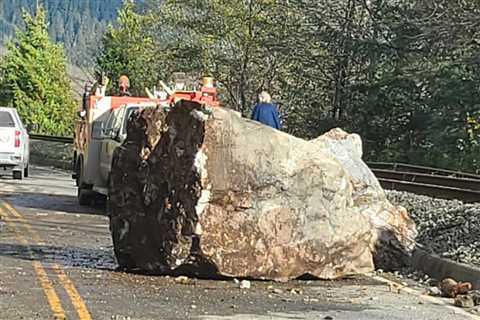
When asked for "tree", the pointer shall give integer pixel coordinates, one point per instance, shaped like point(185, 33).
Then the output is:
point(127, 49)
point(402, 74)
point(79, 25)
point(34, 78)
point(240, 43)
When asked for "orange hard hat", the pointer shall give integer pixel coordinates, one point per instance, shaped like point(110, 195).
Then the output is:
point(124, 81)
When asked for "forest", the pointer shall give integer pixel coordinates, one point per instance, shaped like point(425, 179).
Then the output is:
point(405, 75)
point(78, 24)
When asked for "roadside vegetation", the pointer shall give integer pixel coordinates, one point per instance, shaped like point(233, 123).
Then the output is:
point(405, 75)
point(34, 80)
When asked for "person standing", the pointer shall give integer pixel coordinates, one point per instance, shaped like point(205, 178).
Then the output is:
point(266, 112)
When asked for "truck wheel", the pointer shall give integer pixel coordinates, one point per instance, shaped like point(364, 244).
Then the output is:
point(76, 174)
point(84, 195)
point(17, 174)
point(108, 206)
point(26, 171)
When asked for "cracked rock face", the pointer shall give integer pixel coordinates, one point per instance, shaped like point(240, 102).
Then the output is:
point(393, 230)
point(210, 193)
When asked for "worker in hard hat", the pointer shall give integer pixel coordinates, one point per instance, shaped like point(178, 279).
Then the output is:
point(124, 85)
point(266, 112)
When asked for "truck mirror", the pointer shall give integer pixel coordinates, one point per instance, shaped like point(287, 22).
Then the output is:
point(113, 134)
point(97, 130)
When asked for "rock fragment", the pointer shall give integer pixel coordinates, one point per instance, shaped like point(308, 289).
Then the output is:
point(451, 288)
point(464, 301)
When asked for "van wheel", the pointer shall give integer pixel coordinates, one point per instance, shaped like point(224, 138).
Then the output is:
point(17, 174)
point(25, 171)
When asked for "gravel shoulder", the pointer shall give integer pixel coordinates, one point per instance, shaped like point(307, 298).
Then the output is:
point(449, 228)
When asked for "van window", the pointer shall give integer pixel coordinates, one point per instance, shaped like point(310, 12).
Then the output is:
point(6, 119)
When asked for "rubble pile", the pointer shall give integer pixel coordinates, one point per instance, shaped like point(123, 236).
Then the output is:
point(449, 228)
point(205, 190)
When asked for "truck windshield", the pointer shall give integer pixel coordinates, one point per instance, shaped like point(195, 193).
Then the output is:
point(6, 119)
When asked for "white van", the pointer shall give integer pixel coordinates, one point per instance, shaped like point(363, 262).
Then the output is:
point(14, 144)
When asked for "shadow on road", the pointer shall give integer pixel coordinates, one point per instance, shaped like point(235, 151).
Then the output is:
point(46, 189)
point(102, 259)
point(51, 202)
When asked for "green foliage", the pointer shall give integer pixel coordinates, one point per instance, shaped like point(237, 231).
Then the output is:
point(129, 50)
point(78, 24)
point(402, 74)
point(235, 41)
point(33, 78)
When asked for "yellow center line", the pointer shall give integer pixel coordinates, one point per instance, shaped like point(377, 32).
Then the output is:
point(72, 292)
point(42, 277)
point(75, 298)
point(52, 296)
point(14, 212)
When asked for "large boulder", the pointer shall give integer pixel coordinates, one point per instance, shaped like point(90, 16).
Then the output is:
point(393, 230)
point(205, 191)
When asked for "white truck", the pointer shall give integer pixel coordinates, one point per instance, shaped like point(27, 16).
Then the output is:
point(14, 143)
point(101, 128)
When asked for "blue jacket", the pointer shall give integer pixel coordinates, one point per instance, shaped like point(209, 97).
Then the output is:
point(267, 114)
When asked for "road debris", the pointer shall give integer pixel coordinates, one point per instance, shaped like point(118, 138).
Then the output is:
point(451, 288)
point(464, 301)
point(434, 291)
point(244, 284)
point(277, 291)
point(183, 280)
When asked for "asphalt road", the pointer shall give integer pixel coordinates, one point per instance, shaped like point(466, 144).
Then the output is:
point(57, 262)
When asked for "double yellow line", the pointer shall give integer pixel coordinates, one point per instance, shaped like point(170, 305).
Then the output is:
point(10, 215)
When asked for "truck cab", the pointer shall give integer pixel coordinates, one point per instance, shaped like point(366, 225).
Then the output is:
point(108, 131)
point(110, 134)
point(102, 126)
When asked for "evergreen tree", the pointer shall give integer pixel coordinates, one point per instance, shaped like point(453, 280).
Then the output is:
point(129, 50)
point(34, 78)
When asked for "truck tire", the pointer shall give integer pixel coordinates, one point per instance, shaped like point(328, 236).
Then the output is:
point(84, 197)
point(76, 175)
point(84, 194)
point(17, 174)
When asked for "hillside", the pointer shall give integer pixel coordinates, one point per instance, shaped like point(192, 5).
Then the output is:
point(78, 24)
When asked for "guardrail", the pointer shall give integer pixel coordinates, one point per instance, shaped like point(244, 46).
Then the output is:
point(51, 138)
